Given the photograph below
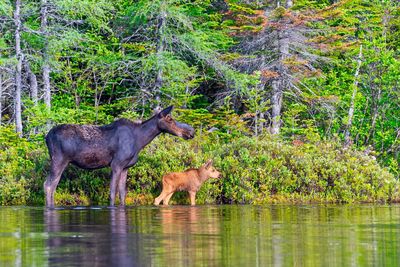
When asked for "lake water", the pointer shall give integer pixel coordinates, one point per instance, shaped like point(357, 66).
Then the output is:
point(277, 235)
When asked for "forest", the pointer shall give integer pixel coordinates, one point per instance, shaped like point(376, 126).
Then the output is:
point(295, 100)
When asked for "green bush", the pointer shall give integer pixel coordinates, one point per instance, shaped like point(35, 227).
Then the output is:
point(254, 170)
point(19, 163)
point(266, 170)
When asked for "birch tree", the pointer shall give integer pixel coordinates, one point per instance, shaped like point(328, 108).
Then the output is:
point(18, 68)
point(46, 57)
point(353, 99)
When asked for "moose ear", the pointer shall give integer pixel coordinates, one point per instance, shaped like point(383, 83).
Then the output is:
point(166, 111)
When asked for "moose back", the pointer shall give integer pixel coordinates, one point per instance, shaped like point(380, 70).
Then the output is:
point(116, 145)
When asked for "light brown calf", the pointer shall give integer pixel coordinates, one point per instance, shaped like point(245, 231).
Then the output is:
point(189, 180)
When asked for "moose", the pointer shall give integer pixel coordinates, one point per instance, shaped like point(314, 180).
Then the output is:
point(116, 145)
point(189, 180)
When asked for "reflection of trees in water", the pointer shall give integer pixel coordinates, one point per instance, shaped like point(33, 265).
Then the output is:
point(310, 235)
point(21, 238)
point(210, 236)
point(91, 238)
point(191, 235)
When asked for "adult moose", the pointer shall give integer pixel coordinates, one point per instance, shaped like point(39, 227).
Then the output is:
point(117, 145)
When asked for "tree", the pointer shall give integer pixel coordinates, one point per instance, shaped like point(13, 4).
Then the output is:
point(352, 101)
point(171, 46)
point(18, 70)
point(282, 52)
point(46, 57)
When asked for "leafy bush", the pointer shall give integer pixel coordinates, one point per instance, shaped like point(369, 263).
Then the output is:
point(268, 170)
point(17, 167)
point(255, 170)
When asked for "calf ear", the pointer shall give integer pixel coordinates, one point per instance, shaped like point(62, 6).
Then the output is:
point(166, 111)
point(208, 163)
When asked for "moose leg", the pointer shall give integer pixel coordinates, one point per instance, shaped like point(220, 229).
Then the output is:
point(192, 195)
point(116, 173)
point(56, 169)
point(122, 187)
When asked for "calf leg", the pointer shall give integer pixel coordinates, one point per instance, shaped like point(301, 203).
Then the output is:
point(192, 195)
point(122, 187)
point(167, 198)
point(56, 169)
point(160, 198)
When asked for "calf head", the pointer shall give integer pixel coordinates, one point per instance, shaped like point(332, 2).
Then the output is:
point(167, 124)
point(210, 170)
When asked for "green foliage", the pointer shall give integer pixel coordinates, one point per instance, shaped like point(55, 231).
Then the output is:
point(254, 170)
point(6, 8)
point(123, 58)
point(20, 161)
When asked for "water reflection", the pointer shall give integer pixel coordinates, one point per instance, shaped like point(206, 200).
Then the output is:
point(202, 235)
point(92, 239)
point(190, 233)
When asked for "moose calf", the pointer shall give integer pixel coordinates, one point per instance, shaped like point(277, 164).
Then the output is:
point(189, 180)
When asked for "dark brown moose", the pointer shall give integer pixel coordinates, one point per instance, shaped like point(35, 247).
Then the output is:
point(117, 145)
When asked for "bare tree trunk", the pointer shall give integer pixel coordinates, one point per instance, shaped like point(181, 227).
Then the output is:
point(256, 124)
point(278, 85)
point(276, 105)
point(160, 49)
point(261, 121)
point(375, 113)
point(18, 71)
point(352, 101)
point(97, 95)
point(1, 95)
point(46, 64)
point(32, 83)
point(377, 97)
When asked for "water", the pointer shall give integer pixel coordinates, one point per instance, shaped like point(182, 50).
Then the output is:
point(278, 235)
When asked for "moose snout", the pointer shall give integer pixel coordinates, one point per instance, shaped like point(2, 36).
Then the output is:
point(187, 131)
point(191, 133)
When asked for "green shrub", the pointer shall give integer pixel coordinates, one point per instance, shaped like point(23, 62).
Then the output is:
point(266, 170)
point(254, 170)
point(19, 162)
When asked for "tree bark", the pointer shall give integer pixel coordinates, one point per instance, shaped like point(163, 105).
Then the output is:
point(352, 101)
point(375, 113)
point(261, 122)
point(33, 84)
point(18, 70)
point(46, 64)
point(376, 97)
point(276, 105)
point(160, 49)
point(278, 85)
point(1, 96)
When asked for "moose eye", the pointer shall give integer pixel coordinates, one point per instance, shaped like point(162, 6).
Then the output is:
point(168, 118)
